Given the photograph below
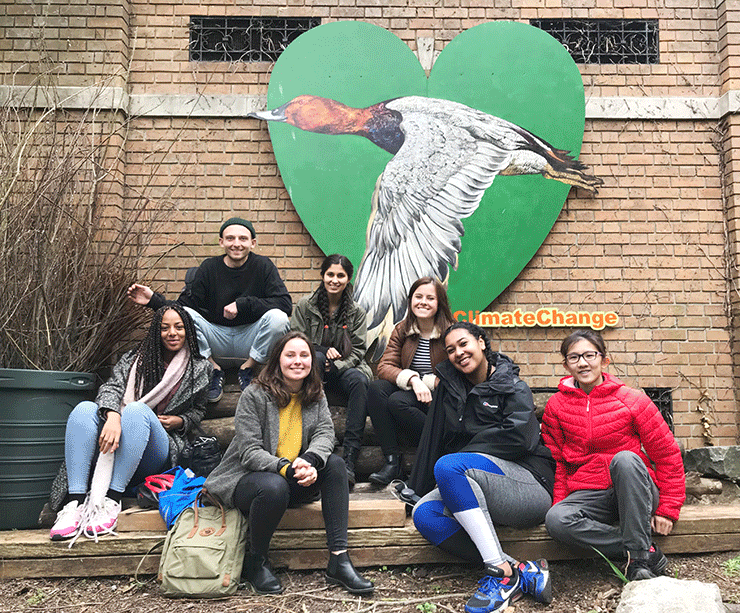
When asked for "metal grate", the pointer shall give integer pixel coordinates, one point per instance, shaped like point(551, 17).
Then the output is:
point(605, 41)
point(663, 399)
point(244, 39)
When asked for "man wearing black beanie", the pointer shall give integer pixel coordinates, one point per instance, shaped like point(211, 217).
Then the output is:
point(238, 302)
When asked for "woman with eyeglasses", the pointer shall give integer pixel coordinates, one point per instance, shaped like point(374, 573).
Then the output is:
point(619, 474)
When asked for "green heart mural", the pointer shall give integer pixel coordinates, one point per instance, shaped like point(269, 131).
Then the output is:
point(439, 158)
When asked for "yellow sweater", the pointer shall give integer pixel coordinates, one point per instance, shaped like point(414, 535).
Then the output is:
point(290, 434)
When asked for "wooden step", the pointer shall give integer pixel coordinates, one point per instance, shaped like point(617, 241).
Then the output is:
point(30, 553)
point(363, 513)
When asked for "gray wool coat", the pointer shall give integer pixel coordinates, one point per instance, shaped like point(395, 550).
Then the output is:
point(256, 433)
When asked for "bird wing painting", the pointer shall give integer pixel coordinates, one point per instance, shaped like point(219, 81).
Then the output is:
point(445, 156)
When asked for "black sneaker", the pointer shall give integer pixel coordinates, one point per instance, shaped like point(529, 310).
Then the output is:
point(657, 562)
point(216, 391)
point(638, 569)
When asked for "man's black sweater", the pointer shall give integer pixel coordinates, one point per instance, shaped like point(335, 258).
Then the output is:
point(256, 287)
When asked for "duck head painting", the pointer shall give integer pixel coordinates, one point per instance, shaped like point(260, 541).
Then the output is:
point(439, 160)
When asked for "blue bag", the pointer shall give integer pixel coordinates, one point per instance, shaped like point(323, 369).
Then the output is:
point(180, 496)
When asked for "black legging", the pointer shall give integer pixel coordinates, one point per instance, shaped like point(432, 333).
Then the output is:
point(395, 411)
point(352, 384)
point(264, 496)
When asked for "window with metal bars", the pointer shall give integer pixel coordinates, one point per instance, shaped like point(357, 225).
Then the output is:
point(605, 41)
point(662, 397)
point(244, 39)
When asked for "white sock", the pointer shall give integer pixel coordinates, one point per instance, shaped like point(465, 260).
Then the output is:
point(475, 523)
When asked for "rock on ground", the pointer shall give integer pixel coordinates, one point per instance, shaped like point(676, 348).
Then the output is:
point(723, 462)
point(667, 595)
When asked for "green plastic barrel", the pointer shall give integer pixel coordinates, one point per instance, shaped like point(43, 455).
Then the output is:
point(34, 406)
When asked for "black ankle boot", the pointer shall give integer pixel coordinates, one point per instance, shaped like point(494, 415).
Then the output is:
point(342, 572)
point(389, 472)
point(350, 460)
point(258, 573)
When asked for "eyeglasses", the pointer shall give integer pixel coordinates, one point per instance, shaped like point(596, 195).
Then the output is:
point(589, 356)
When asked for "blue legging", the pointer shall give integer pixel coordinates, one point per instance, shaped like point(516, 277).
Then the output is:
point(474, 492)
point(142, 451)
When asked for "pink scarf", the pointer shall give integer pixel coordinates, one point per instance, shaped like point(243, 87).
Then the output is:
point(104, 467)
point(172, 376)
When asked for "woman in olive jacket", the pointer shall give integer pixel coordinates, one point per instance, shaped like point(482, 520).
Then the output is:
point(337, 327)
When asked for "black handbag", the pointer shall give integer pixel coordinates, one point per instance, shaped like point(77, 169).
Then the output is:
point(201, 455)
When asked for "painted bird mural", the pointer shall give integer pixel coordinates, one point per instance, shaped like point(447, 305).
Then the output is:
point(445, 155)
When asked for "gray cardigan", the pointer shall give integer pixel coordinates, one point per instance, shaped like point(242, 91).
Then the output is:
point(256, 433)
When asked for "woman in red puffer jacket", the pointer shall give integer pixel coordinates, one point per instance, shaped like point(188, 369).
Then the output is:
point(619, 474)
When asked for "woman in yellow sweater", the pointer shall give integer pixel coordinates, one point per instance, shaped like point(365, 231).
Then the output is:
point(281, 456)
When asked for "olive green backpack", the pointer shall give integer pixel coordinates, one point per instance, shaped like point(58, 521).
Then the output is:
point(204, 552)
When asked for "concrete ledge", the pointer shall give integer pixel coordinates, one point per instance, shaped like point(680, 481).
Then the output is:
point(234, 105)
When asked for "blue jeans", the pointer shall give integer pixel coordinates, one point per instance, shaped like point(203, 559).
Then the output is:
point(240, 342)
point(142, 451)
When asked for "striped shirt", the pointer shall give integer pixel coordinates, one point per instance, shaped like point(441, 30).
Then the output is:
point(422, 362)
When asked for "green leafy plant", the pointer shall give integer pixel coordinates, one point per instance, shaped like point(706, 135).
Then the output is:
point(732, 566)
point(36, 598)
point(427, 607)
point(614, 568)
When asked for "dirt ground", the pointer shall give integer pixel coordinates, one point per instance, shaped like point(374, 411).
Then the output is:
point(583, 586)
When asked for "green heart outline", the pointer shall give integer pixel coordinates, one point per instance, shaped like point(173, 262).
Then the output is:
point(360, 64)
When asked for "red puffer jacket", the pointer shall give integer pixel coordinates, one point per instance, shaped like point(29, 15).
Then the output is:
point(585, 431)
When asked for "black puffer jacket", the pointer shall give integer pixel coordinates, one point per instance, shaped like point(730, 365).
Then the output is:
point(495, 417)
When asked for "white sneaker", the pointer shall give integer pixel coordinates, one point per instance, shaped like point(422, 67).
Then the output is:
point(67, 522)
point(103, 518)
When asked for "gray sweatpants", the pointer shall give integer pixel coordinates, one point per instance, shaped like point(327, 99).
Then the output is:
point(614, 520)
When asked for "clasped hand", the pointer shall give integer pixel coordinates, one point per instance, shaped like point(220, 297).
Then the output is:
point(331, 355)
point(303, 472)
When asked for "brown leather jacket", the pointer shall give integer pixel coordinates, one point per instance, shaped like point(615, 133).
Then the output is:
point(394, 365)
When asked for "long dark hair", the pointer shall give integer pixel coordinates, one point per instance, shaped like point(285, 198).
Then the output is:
point(341, 315)
point(443, 316)
point(476, 332)
point(272, 381)
point(591, 336)
point(150, 353)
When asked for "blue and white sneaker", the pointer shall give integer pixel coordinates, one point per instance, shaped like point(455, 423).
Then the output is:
point(495, 592)
point(216, 389)
point(536, 580)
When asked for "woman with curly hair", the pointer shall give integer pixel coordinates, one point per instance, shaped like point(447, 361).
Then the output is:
point(481, 448)
point(139, 423)
point(337, 327)
point(280, 456)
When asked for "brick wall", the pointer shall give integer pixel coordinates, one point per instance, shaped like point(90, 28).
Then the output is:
point(79, 41)
point(650, 246)
point(688, 39)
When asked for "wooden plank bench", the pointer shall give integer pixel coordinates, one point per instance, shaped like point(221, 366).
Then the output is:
point(300, 542)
